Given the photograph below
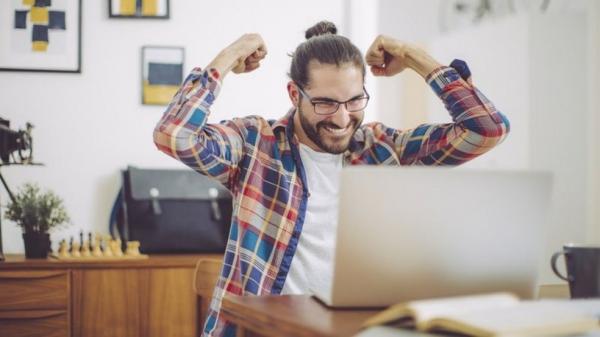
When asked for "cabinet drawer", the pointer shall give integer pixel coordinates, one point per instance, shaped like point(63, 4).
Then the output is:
point(20, 290)
point(33, 323)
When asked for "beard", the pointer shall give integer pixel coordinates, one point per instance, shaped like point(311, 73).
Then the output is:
point(327, 142)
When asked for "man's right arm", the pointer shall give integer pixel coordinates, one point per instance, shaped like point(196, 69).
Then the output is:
point(183, 132)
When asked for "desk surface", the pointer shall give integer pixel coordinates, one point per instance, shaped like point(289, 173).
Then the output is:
point(296, 316)
point(293, 315)
point(303, 316)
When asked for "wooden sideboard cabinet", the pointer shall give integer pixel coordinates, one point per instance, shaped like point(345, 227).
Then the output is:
point(34, 301)
point(152, 297)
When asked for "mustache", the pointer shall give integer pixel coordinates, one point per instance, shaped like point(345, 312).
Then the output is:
point(353, 122)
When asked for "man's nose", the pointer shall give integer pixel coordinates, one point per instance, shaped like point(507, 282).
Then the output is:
point(341, 117)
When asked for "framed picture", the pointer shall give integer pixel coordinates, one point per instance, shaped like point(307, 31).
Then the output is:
point(143, 9)
point(40, 35)
point(162, 73)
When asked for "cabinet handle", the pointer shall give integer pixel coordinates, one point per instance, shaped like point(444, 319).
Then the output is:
point(31, 314)
point(29, 275)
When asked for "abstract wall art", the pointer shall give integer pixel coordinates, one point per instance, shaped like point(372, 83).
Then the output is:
point(40, 35)
point(143, 9)
point(162, 73)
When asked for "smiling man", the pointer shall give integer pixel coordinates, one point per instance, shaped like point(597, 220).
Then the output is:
point(284, 174)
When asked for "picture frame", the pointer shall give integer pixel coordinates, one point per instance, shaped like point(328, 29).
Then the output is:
point(162, 73)
point(40, 35)
point(139, 9)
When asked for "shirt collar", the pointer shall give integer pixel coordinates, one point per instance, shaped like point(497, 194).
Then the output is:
point(286, 124)
point(284, 121)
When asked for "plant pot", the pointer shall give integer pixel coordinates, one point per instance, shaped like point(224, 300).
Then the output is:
point(37, 245)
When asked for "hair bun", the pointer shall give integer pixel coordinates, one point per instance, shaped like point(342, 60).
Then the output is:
point(321, 28)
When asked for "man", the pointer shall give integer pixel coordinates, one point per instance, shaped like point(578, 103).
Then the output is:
point(284, 174)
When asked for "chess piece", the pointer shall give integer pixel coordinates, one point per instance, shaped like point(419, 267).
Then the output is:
point(115, 246)
point(97, 250)
point(119, 247)
point(85, 249)
point(75, 250)
point(63, 249)
point(107, 248)
point(133, 248)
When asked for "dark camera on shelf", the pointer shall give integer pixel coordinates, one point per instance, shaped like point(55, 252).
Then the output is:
point(15, 141)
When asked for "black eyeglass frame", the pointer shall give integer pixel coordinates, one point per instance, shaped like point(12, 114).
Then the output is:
point(329, 101)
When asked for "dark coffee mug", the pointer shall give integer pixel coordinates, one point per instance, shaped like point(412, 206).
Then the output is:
point(583, 269)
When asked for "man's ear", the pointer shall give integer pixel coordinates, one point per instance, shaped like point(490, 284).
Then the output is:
point(293, 93)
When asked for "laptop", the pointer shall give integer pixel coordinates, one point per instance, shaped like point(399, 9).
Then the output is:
point(413, 233)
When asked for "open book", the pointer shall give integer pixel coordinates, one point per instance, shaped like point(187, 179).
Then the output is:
point(498, 314)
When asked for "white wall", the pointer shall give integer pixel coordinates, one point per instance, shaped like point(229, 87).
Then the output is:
point(559, 142)
point(593, 122)
point(89, 126)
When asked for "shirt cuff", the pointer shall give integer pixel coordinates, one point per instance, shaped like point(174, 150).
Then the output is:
point(208, 79)
point(440, 78)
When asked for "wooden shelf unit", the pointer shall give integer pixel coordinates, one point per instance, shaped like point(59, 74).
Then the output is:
point(130, 298)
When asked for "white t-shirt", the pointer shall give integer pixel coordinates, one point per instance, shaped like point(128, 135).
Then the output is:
point(312, 263)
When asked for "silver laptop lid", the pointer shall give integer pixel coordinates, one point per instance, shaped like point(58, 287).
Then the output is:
point(410, 233)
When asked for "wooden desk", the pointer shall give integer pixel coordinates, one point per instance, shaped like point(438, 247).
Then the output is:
point(303, 316)
point(125, 298)
point(295, 316)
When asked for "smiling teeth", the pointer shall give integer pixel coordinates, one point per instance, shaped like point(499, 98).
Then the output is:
point(337, 131)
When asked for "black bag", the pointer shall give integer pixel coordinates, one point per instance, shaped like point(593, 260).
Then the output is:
point(172, 211)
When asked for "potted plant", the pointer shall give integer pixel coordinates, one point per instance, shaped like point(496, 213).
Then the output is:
point(36, 213)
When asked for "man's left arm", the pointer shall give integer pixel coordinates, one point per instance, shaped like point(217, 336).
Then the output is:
point(477, 126)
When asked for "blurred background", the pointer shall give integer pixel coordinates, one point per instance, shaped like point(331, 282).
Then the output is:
point(538, 61)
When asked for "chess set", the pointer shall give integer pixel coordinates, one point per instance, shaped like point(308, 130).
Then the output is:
point(97, 248)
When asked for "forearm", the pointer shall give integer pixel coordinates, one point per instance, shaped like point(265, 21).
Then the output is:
point(419, 61)
point(243, 55)
point(224, 62)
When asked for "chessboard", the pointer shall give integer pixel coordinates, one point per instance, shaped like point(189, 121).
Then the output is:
point(97, 258)
point(100, 248)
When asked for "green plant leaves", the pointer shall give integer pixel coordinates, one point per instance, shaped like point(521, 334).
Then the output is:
point(36, 211)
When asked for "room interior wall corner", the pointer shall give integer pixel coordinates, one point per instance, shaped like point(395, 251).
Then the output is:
point(593, 123)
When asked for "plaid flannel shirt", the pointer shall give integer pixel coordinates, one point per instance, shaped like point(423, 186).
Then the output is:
point(258, 161)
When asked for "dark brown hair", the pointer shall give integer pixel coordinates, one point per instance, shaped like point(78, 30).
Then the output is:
point(325, 46)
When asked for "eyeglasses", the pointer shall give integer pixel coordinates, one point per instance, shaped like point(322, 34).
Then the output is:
point(327, 106)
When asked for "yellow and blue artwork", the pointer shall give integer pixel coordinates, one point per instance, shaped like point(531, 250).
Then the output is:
point(162, 73)
point(40, 17)
point(157, 9)
point(40, 35)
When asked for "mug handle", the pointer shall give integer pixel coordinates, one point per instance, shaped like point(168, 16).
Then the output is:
point(555, 257)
